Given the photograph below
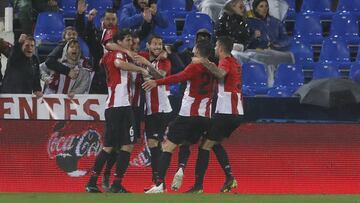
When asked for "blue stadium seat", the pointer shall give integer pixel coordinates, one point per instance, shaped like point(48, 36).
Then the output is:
point(326, 70)
point(349, 6)
point(68, 8)
point(173, 5)
point(49, 27)
point(354, 73)
point(320, 7)
point(169, 33)
point(100, 5)
point(254, 79)
point(303, 52)
point(288, 78)
point(308, 28)
point(345, 25)
point(196, 21)
point(193, 23)
point(335, 50)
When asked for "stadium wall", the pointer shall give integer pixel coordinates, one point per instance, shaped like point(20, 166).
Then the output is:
point(50, 154)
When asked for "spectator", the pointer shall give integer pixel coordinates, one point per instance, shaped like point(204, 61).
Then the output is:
point(277, 8)
point(5, 48)
point(56, 83)
point(269, 42)
point(22, 71)
point(232, 23)
point(135, 15)
point(96, 39)
point(268, 32)
point(52, 61)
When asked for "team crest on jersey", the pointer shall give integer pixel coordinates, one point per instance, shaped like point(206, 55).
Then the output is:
point(119, 56)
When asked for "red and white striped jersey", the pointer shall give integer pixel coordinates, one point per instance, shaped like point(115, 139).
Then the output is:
point(199, 90)
point(118, 80)
point(157, 100)
point(136, 81)
point(229, 99)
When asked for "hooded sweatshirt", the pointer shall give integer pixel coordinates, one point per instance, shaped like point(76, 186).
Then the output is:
point(62, 84)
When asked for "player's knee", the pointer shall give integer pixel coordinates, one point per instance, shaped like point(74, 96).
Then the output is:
point(168, 146)
point(107, 149)
point(152, 143)
point(208, 144)
point(127, 148)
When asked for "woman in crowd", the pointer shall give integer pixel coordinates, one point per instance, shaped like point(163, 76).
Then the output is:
point(232, 23)
point(269, 43)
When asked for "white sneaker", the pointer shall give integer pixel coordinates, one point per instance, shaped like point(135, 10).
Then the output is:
point(156, 189)
point(178, 179)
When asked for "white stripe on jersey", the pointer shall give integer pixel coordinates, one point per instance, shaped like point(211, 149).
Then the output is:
point(188, 101)
point(224, 104)
point(122, 92)
point(163, 103)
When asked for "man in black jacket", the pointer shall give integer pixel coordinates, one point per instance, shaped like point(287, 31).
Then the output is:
point(22, 71)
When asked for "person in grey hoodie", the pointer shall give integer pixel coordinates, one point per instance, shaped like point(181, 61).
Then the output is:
point(56, 83)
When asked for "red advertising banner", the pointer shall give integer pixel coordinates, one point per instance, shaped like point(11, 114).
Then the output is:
point(39, 153)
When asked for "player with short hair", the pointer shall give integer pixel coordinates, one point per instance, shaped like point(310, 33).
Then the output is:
point(228, 112)
point(119, 116)
point(194, 117)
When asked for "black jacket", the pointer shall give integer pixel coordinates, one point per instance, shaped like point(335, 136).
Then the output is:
point(234, 26)
point(22, 74)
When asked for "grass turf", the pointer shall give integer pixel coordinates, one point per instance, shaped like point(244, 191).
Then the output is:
point(171, 198)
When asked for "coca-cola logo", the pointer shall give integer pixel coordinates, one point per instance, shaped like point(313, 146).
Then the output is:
point(69, 149)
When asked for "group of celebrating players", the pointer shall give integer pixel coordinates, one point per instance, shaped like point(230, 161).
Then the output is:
point(128, 72)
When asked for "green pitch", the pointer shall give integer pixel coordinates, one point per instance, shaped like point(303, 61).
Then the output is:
point(171, 198)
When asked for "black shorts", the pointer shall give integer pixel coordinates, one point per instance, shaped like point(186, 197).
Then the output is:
point(188, 130)
point(137, 118)
point(155, 125)
point(119, 127)
point(222, 125)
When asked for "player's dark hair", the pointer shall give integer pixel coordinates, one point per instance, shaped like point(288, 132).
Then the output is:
point(226, 43)
point(121, 34)
point(204, 47)
point(154, 37)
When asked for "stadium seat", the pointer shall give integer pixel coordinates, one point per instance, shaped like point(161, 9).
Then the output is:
point(308, 28)
point(354, 73)
point(303, 52)
point(346, 26)
point(288, 78)
point(169, 33)
point(254, 79)
point(193, 23)
point(349, 6)
point(68, 8)
point(49, 27)
point(173, 5)
point(335, 50)
point(320, 7)
point(100, 5)
point(326, 70)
